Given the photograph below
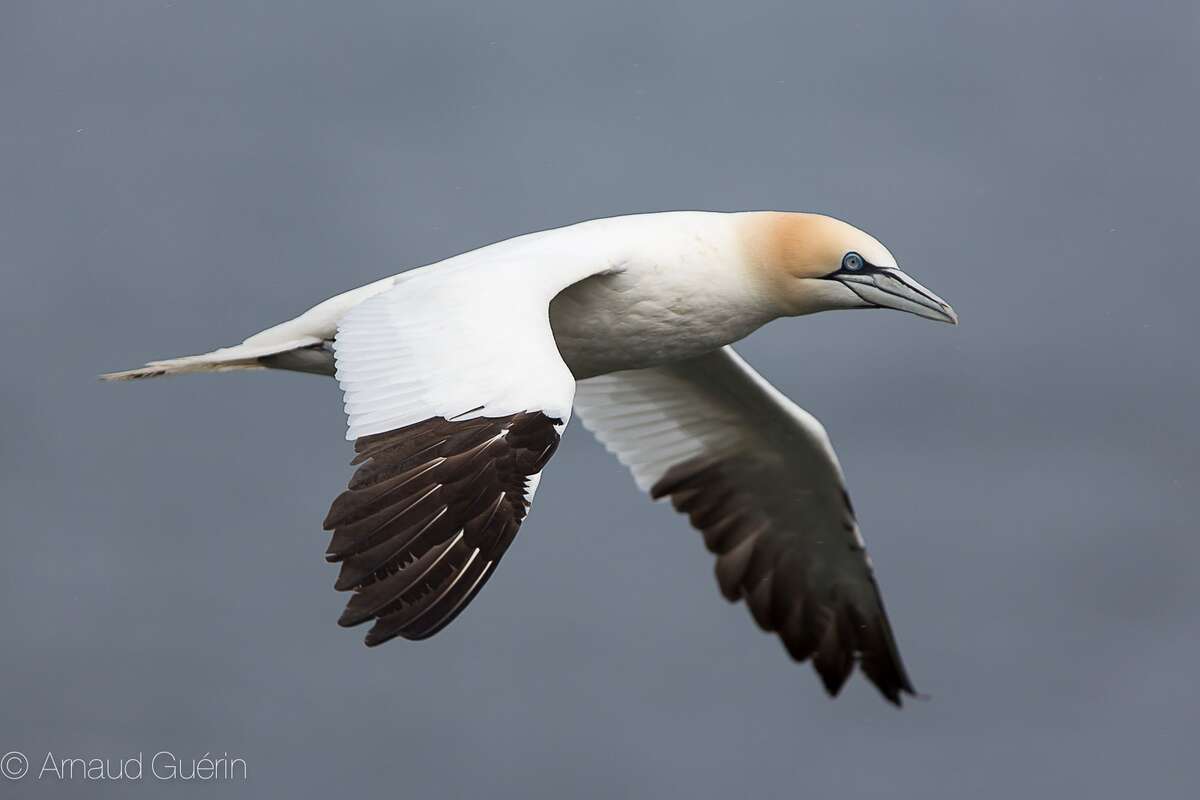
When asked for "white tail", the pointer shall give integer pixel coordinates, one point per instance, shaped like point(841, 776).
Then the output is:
point(242, 356)
point(317, 325)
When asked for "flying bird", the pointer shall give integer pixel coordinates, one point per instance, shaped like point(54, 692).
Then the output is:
point(460, 376)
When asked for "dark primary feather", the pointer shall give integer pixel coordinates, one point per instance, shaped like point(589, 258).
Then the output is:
point(780, 561)
point(428, 514)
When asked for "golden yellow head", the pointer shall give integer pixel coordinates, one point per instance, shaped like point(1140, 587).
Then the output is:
point(811, 262)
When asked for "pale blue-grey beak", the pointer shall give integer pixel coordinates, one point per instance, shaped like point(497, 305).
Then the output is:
point(891, 288)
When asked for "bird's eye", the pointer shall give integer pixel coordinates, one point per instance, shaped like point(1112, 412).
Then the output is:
point(852, 262)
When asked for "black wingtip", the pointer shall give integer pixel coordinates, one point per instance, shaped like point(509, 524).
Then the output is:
point(376, 637)
point(427, 515)
point(893, 685)
point(833, 677)
point(352, 617)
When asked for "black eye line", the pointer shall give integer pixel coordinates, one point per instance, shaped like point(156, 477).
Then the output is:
point(867, 268)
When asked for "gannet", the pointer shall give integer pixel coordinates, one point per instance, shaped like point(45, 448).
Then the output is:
point(459, 378)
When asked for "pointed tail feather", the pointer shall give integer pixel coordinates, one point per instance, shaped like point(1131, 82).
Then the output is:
point(242, 356)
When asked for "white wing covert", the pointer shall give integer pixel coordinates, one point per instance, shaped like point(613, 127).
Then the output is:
point(456, 396)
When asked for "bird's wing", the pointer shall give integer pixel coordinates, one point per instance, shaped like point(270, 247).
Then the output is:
point(456, 397)
point(758, 477)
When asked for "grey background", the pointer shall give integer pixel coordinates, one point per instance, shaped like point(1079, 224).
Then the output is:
point(178, 175)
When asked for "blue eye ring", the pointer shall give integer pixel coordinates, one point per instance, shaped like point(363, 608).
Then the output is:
point(852, 262)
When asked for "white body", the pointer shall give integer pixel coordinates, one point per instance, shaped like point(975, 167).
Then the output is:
point(654, 288)
point(677, 288)
point(628, 320)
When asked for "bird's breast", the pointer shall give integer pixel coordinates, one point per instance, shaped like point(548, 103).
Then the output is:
point(643, 317)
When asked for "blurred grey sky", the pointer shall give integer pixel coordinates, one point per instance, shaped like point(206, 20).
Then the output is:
point(177, 175)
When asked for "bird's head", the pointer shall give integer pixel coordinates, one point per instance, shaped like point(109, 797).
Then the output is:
point(811, 262)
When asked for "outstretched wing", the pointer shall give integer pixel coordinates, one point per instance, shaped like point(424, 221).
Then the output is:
point(758, 477)
point(456, 396)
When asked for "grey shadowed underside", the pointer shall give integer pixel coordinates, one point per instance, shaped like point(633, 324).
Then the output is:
point(316, 360)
